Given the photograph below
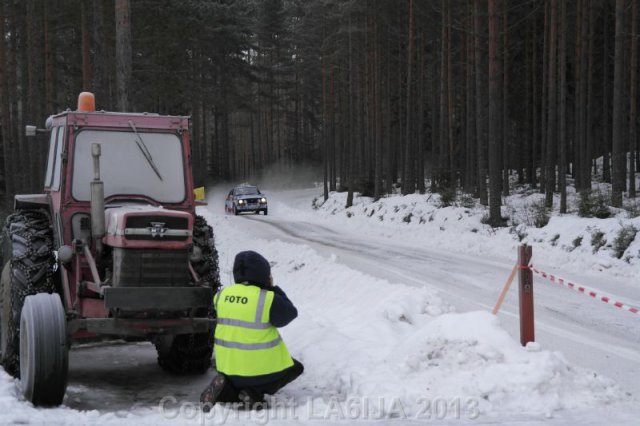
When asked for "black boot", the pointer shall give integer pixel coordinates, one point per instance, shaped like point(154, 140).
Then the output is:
point(210, 395)
point(252, 399)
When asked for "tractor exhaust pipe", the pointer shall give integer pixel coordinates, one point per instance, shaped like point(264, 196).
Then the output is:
point(97, 201)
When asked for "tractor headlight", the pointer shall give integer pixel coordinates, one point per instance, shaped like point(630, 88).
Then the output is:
point(195, 255)
point(263, 200)
point(241, 201)
point(65, 254)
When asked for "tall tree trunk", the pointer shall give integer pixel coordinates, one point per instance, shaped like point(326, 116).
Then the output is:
point(528, 127)
point(18, 52)
point(545, 99)
point(399, 133)
point(32, 110)
point(86, 60)
point(506, 134)
point(332, 134)
point(562, 142)
point(584, 160)
point(588, 88)
point(461, 157)
point(450, 102)
point(480, 132)
point(377, 187)
point(633, 92)
point(11, 95)
point(350, 141)
point(606, 104)
point(551, 120)
point(471, 175)
point(5, 134)
point(435, 111)
point(495, 184)
point(443, 159)
point(618, 153)
point(533, 178)
point(578, 152)
point(325, 132)
point(48, 61)
point(408, 182)
point(123, 54)
point(420, 138)
point(389, 142)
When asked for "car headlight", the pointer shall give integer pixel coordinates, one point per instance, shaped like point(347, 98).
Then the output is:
point(263, 200)
point(241, 201)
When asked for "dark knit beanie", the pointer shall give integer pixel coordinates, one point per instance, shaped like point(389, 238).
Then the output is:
point(251, 267)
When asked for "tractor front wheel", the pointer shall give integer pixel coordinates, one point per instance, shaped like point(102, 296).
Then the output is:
point(44, 358)
point(185, 353)
point(191, 353)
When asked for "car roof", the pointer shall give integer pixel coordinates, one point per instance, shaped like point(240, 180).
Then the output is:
point(246, 188)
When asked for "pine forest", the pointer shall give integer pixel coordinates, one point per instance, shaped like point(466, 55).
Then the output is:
point(460, 96)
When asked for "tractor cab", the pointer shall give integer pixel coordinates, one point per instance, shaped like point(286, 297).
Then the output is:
point(120, 251)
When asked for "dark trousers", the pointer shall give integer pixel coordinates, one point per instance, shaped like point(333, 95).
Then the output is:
point(230, 392)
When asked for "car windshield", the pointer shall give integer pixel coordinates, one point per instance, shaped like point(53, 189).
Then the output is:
point(126, 170)
point(247, 190)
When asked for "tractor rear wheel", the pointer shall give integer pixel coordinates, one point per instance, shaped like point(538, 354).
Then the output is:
point(191, 353)
point(44, 354)
point(5, 309)
point(185, 353)
point(28, 252)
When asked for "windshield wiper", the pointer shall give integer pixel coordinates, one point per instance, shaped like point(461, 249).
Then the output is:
point(144, 150)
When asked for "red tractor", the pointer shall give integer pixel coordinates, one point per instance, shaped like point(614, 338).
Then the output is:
point(112, 247)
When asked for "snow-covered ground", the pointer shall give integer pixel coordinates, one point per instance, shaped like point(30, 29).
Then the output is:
point(394, 325)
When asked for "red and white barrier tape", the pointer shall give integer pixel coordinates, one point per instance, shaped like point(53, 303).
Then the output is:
point(585, 290)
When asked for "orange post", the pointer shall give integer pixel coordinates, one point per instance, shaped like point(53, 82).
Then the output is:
point(525, 294)
point(505, 289)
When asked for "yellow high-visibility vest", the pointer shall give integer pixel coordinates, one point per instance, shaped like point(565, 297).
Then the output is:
point(246, 344)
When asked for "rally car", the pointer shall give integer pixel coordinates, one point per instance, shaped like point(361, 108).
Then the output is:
point(246, 198)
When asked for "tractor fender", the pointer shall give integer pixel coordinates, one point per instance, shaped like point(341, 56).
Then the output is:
point(31, 201)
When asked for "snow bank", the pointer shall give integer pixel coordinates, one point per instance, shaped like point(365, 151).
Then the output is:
point(364, 338)
point(578, 244)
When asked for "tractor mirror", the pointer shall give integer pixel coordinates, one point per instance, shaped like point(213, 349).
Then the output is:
point(31, 131)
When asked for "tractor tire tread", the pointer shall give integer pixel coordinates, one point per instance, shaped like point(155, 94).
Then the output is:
point(191, 353)
point(28, 236)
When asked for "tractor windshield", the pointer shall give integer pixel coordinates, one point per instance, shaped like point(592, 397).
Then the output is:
point(124, 168)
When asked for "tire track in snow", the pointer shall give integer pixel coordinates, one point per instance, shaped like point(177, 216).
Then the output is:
point(476, 286)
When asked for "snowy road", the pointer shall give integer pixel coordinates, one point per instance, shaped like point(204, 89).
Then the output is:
point(589, 333)
point(357, 288)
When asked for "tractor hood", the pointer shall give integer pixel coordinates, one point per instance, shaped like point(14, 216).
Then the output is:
point(144, 226)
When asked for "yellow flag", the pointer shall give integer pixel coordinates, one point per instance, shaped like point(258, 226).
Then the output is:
point(199, 193)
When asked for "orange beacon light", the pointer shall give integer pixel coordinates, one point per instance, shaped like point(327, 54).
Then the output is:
point(86, 102)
